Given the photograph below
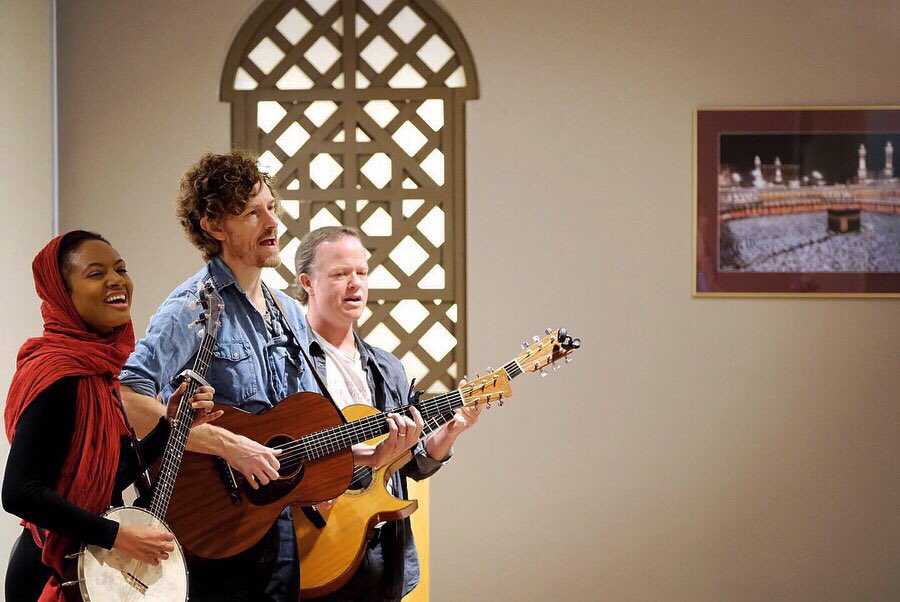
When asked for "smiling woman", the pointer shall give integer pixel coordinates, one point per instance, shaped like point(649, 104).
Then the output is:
point(70, 455)
point(97, 280)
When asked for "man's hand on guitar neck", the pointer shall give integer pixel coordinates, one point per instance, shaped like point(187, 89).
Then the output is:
point(403, 433)
point(439, 444)
point(255, 461)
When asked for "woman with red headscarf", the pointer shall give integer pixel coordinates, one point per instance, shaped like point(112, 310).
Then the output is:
point(72, 451)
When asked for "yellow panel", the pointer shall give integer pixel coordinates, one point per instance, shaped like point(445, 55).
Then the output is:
point(422, 533)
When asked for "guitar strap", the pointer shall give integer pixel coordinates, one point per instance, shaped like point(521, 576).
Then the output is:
point(311, 513)
point(142, 484)
point(299, 343)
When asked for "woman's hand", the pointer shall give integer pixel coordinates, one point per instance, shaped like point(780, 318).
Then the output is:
point(201, 402)
point(145, 544)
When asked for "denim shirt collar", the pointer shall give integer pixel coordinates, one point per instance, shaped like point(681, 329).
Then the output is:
point(221, 274)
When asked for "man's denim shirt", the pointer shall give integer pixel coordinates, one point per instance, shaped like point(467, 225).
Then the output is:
point(248, 370)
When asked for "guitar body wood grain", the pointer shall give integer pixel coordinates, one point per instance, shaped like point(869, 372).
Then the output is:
point(203, 515)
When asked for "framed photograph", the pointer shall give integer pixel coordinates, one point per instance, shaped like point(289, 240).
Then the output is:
point(797, 202)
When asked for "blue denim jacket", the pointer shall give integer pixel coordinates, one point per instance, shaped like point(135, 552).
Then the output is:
point(248, 370)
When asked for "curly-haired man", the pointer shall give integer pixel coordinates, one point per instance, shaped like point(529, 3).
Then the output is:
point(228, 212)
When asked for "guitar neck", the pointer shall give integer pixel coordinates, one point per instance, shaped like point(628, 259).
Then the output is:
point(181, 428)
point(322, 443)
point(435, 411)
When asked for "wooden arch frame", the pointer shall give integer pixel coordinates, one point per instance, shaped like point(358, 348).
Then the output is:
point(446, 194)
point(247, 34)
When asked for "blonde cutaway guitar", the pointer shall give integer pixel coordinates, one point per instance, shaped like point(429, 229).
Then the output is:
point(330, 554)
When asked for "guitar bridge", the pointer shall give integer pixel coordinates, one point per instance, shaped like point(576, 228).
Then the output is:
point(231, 486)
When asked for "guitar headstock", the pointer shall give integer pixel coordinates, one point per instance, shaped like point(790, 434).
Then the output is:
point(487, 389)
point(213, 306)
point(544, 351)
point(494, 386)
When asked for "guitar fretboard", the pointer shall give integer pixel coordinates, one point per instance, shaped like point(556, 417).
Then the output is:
point(171, 462)
point(513, 369)
point(322, 443)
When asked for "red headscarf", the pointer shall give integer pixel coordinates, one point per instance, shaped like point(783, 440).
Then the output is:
point(67, 348)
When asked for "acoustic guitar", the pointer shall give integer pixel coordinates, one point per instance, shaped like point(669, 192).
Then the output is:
point(330, 554)
point(217, 514)
point(96, 574)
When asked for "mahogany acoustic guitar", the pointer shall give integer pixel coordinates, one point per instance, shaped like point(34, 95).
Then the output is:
point(215, 513)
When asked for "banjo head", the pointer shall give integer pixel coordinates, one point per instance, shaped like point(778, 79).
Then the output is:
point(107, 576)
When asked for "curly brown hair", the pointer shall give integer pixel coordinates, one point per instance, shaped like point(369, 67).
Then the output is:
point(214, 187)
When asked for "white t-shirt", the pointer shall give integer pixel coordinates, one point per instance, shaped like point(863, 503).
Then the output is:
point(347, 381)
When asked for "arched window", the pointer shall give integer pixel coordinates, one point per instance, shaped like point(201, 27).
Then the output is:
point(357, 107)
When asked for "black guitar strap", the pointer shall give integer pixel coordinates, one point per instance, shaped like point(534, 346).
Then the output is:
point(312, 515)
point(306, 357)
point(142, 484)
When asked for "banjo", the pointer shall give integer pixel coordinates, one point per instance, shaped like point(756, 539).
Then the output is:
point(106, 575)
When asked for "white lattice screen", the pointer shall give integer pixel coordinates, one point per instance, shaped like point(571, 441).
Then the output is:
point(357, 107)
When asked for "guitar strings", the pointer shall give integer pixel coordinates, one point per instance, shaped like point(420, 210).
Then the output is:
point(296, 451)
point(359, 472)
point(321, 443)
point(184, 421)
point(360, 428)
point(336, 438)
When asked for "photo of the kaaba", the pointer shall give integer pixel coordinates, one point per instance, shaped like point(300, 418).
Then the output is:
point(808, 203)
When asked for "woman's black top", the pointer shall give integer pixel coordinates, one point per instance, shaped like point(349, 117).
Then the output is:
point(36, 458)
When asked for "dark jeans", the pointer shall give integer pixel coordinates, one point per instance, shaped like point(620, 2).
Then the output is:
point(255, 575)
point(373, 580)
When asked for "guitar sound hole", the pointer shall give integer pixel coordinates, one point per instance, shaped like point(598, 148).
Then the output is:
point(290, 465)
point(362, 478)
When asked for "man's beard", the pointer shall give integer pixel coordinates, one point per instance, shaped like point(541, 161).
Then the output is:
point(272, 261)
point(253, 256)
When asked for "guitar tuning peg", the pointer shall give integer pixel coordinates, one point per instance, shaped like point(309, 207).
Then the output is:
point(500, 403)
point(556, 366)
point(487, 406)
point(548, 330)
point(477, 375)
point(543, 373)
point(194, 304)
point(524, 344)
point(568, 359)
point(489, 369)
point(201, 333)
point(536, 338)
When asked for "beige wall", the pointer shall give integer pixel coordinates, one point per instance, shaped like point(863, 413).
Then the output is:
point(26, 177)
point(695, 449)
